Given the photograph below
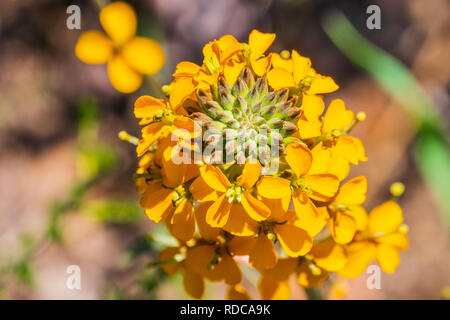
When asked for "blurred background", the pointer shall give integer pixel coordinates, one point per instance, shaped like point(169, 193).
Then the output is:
point(66, 191)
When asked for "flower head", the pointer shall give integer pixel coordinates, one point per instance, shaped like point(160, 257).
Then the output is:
point(128, 56)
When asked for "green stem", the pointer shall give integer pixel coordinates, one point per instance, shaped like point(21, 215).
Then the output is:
point(314, 293)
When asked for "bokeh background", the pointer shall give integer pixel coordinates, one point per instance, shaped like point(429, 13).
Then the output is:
point(66, 191)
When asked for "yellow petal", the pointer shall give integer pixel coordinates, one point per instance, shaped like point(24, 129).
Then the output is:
point(122, 77)
point(353, 192)
point(359, 255)
point(385, 218)
point(322, 84)
point(215, 178)
point(309, 218)
point(282, 271)
point(206, 231)
point(186, 68)
point(295, 241)
point(231, 71)
point(193, 284)
point(307, 279)
point(241, 246)
point(180, 89)
point(388, 257)
point(261, 66)
point(143, 55)
point(201, 191)
point(94, 47)
point(360, 215)
point(312, 106)
point(339, 166)
point(228, 270)
point(119, 21)
point(277, 211)
point(218, 213)
point(239, 223)
point(166, 256)
point(250, 174)
point(324, 186)
point(255, 208)
point(279, 62)
point(329, 255)
point(274, 290)
point(342, 227)
point(263, 254)
point(308, 129)
point(259, 42)
point(321, 159)
point(397, 240)
point(147, 106)
point(237, 292)
point(183, 221)
point(280, 78)
point(198, 258)
point(350, 148)
point(157, 203)
point(337, 116)
point(274, 187)
point(301, 66)
point(299, 158)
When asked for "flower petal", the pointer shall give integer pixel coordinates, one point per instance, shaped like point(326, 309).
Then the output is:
point(263, 254)
point(307, 279)
point(259, 42)
point(342, 227)
point(337, 116)
point(255, 208)
point(309, 217)
point(215, 178)
point(299, 158)
point(206, 231)
point(359, 255)
point(193, 284)
point(397, 240)
point(282, 271)
point(353, 192)
point(119, 21)
point(322, 84)
point(201, 191)
point(157, 202)
point(239, 223)
point(147, 106)
point(237, 292)
point(388, 257)
point(280, 78)
point(329, 255)
point(218, 213)
point(301, 66)
point(144, 55)
point(183, 221)
point(94, 47)
point(295, 241)
point(122, 77)
point(313, 107)
point(274, 290)
point(324, 186)
point(250, 174)
point(385, 218)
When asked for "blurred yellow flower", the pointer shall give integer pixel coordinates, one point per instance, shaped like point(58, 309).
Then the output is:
point(128, 56)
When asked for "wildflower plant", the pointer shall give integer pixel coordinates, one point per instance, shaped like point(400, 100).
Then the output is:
point(128, 56)
point(244, 164)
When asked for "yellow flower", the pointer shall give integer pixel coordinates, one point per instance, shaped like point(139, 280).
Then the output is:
point(381, 240)
point(272, 150)
point(127, 55)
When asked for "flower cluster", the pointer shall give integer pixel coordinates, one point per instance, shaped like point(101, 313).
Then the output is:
point(263, 179)
point(128, 56)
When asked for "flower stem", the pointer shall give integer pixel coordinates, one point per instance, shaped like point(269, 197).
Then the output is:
point(314, 294)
